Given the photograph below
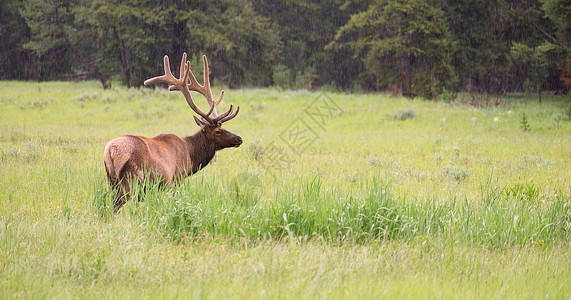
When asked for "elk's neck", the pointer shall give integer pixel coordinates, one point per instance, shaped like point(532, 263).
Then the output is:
point(201, 151)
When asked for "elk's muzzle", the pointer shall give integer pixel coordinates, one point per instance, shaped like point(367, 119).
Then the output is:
point(237, 141)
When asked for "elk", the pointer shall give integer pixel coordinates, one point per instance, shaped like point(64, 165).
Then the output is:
point(167, 158)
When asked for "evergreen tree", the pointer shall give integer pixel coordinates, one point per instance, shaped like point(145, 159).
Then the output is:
point(410, 46)
point(15, 61)
point(305, 28)
point(46, 41)
point(404, 45)
point(559, 12)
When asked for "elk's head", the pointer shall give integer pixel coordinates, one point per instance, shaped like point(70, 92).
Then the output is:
point(211, 122)
point(217, 135)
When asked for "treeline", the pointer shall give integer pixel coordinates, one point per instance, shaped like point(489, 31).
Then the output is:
point(415, 47)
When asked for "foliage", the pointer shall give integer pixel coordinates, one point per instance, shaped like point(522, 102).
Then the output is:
point(132, 36)
point(244, 44)
point(566, 109)
point(46, 41)
point(533, 63)
point(419, 48)
point(305, 28)
point(559, 12)
point(15, 60)
point(404, 44)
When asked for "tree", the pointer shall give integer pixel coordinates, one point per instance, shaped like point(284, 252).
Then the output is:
point(404, 45)
point(478, 27)
point(15, 61)
point(105, 80)
point(244, 44)
point(411, 46)
point(46, 41)
point(132, 35)
point(305, 28)
point(533, 65)
point(54, 35)
point(559, 12)
point(135, 34)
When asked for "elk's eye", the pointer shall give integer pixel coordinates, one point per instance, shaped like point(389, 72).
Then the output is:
point(218, 132)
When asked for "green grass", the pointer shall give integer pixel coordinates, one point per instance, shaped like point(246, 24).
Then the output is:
point(502, 219)
point(395, 198)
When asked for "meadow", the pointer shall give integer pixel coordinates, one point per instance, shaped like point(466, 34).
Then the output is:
point(331, 195)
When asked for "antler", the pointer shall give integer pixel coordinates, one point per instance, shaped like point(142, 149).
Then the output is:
point(181, 84)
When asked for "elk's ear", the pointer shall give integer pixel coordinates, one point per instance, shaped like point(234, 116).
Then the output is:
point(199, 122)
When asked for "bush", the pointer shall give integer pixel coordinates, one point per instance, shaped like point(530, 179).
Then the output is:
point(404, 114)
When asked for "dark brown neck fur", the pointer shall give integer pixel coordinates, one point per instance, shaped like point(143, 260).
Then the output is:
point(200, 150)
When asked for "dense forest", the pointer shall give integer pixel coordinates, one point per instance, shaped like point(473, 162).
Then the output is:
point(415, 47)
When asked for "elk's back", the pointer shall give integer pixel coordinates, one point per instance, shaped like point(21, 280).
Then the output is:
point(163, 156)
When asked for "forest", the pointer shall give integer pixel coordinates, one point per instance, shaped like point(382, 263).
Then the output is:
point(418, 48)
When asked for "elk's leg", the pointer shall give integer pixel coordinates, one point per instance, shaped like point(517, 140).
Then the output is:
point(121, 196)
point(117, 191)
point(128, 174)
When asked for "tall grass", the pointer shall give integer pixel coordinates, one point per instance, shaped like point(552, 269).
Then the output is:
point(502, 218)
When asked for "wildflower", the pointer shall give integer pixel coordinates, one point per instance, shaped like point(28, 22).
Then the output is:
point(496, 119)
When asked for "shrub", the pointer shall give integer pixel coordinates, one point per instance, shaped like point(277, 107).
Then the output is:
point(404, 114)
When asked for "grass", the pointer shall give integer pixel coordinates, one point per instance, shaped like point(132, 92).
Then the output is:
point(380, 198)
point(502, 219)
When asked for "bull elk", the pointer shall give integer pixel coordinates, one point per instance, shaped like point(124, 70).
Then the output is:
point(167, 158)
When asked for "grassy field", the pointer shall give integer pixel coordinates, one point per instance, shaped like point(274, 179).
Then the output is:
point(330, 196)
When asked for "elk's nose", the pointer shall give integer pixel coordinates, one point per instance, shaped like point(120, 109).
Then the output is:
point(237, 141)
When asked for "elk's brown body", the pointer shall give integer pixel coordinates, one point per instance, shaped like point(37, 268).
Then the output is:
point(167, 158)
